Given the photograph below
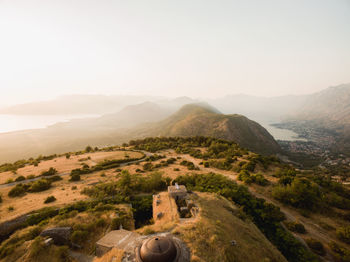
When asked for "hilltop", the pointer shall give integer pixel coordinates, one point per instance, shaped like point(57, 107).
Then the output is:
point(205, 120)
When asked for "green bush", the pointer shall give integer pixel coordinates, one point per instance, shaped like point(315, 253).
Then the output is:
point(343, 233)
point(39, 185)
point(301, 193)
point(50, 199)
point(41, 215)
point(116, 223)
point(316, 246)
point(340, 252)
point(18, 190)
point(295, 227)
point(9, 181)
point(20, 178)
point(74, 177)
point(101, 222)
point(33, 233)
point(54, 178)
point(79, 236)
point(52, 171)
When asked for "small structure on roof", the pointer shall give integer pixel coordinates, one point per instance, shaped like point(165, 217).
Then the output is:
point(177, 191)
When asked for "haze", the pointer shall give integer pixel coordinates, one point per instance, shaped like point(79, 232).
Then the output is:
point(171, 48)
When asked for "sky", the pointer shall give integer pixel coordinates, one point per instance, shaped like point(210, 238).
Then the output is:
point(197, 48)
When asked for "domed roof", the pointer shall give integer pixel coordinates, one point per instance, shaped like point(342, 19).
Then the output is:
point(158, 249)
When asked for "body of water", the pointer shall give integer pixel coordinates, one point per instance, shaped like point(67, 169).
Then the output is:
point(281, 134)
point(10, 123)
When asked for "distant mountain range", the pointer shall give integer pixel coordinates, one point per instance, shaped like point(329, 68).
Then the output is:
point(329, 108)
point(128, 117)
point(90, 105)
point(190, 120)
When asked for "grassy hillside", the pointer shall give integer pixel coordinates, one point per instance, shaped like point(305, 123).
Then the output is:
point(219, 224)
point(291, 208)
point(203, 120)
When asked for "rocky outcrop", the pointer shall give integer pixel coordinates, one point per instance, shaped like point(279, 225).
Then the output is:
point(60, 235)
point(8, 227)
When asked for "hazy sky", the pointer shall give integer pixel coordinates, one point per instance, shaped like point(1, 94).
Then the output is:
point(200, 48)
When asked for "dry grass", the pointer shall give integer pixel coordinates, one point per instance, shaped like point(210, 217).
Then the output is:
point(115, 255)
point(209, 238)
point(64, 165)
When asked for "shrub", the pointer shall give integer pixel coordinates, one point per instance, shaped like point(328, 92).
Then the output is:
point(41, 215)
point(39, 185)
point(301, 193)
point(33, 233)
point(101, 222)
point(49, 199)
point(343, 233)
point(316, 246)
point(52, 171)
point(116, 223)
point(20, 178)
point(340, 252)
point(30, 176)
point(18, 190)
point(295, 227)
point(148, 166)
point(10, 208)
point(54, 178)
point(74, 177)
point(79, 236)
point(9, 181)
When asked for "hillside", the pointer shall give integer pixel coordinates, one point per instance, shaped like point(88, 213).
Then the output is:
point(249, 207)
point(204, 120)
point(329, 108)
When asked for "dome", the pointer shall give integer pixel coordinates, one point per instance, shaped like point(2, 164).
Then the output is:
point(158, 249)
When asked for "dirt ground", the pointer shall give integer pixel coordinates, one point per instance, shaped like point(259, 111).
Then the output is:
point(63, 165)
point(62, 190)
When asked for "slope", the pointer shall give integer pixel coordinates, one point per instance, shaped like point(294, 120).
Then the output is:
point(204, 120)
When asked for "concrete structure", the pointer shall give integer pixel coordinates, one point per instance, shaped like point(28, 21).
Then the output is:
point(177, 191)
point(120, 239)
point(160, 249)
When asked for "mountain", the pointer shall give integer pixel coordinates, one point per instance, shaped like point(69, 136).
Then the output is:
point(129, 116)
point(77, 104)
point(265, 109)
point(329, 108)
point(204, 120)
point(91, 104)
